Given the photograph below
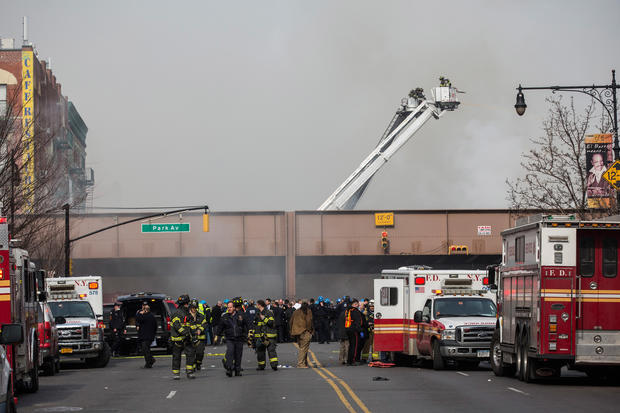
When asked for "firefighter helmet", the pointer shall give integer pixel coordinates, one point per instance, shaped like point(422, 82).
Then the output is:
point(183, 299)
point(193, 303)
point(237, 301)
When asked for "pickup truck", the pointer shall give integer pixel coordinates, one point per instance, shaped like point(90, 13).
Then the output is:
point(80, 336)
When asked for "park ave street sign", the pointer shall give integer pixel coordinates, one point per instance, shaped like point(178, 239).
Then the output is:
point(159, 228)
point(612, 175)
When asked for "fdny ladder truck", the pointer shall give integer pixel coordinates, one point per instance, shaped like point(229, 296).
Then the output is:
point(558, 298)
point(412, 114)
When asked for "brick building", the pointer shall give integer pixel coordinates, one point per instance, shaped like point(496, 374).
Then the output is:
point(53, 132)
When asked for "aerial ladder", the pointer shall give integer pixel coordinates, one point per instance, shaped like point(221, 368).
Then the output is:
point(412, 114)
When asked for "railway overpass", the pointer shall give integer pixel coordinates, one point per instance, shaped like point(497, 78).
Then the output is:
point(279, 253)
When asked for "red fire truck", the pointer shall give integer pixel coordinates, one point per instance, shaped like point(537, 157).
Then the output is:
point(20, 290)
point(558, 298)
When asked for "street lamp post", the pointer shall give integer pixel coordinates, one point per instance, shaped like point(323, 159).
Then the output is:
point(604, 94)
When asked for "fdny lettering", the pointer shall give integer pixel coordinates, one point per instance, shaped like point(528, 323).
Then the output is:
point(558, 272)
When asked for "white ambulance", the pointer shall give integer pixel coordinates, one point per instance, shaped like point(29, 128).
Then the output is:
point(87, 287)
point(442, 315)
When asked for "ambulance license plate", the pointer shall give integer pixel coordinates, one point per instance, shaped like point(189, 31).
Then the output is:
point(66, 350)
point(484, 353)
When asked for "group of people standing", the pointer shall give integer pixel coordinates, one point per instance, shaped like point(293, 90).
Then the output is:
point(261, 325)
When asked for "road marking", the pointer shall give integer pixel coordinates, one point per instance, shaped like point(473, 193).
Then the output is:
point(336, 388)
point(357, 400)
point(518, 391)
point(462, 374)
point(171, 394)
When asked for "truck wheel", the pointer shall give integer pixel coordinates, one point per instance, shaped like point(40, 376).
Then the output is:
point(528, 365)
point(57, 365)
point(438, 361)
point(519, 355)
point(104, 357)
point(497, 358)
point(49, 367)
point(33, 386)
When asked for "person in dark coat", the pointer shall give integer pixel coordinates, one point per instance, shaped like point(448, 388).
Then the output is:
point(147, 326)
point(216, 314)
point(343, 338)
point(277, 316)
point(233, 325)
point(353, 324)
point(117, 324)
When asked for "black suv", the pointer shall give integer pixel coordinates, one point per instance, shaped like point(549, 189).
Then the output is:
point(131, 304)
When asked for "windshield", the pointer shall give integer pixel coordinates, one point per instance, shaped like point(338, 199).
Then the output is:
point(72, 309)
point(464, 307)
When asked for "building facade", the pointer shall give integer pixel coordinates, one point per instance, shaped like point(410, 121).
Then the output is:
point(46, 134)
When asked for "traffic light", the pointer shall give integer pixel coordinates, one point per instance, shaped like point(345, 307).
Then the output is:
point(458, 249)
point(205, 222)
point(385, 242)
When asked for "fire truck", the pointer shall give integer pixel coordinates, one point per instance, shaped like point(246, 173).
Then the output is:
point(447, 316)
point(21, 288)
point(558, 298)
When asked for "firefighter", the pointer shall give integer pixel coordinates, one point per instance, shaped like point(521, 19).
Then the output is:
point(367, 350)
point(265, 336)
point(233, 326)
point(198, 325)
point(181, 336)
point(205, 310)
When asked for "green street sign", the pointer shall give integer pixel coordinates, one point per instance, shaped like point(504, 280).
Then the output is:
point(159, 228)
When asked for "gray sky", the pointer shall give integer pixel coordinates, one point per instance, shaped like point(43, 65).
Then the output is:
point(270, 105)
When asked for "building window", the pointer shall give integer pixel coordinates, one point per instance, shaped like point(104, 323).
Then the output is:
point(2, 100)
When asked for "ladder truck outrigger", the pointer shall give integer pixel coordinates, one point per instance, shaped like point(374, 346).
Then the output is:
point(414, 111)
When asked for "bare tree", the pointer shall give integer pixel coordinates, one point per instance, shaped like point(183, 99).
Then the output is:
point(555, 169)
point(32, 209)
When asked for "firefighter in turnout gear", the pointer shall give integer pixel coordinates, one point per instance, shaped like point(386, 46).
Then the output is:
point(233, 325)
point(181, 336)
point(264, 336)
point(198, 326)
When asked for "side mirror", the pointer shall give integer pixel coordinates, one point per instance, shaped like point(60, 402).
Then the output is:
point(60, 320)
point(42, 296)
point(11, 334)
point(417, 317)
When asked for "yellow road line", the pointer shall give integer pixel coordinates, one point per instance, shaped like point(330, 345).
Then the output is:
point(357, 400)
point(336, 388)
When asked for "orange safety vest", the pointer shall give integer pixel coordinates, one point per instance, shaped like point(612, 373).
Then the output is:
point(347, 320)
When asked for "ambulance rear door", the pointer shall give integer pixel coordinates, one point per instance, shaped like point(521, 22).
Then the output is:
point(391, 323)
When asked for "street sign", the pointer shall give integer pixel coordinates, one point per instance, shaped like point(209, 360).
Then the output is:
point(384, 219)
point(612, 175)
point(161, 228)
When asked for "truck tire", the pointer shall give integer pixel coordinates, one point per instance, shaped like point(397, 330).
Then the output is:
point(104, 357)
point(497, 358)
point(518, 356)
point(33, 385)
point(528, 364)
point(49, 367)
point(438, 361)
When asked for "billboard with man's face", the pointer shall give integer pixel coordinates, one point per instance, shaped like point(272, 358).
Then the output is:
point(599, 156)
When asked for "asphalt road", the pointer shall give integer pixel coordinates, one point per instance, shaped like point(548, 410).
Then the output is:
point(124, 386)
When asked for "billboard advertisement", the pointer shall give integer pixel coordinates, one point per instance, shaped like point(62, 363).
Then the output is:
point(599, 157)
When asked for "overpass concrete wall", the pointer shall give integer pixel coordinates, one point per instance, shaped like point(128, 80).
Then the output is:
point(258, 254)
